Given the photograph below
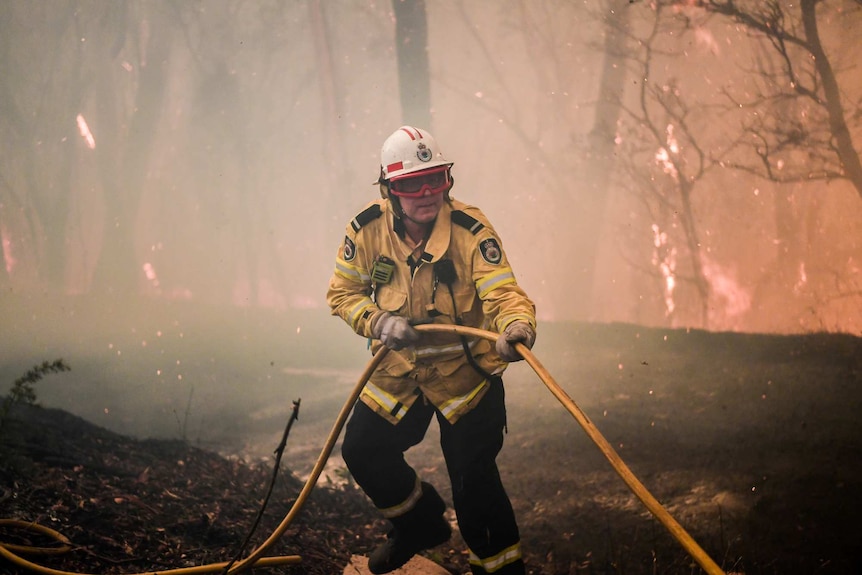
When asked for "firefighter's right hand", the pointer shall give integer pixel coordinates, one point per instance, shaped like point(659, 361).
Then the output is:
point(394, 331)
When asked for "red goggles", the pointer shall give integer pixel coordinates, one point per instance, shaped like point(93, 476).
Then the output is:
point(417, 184)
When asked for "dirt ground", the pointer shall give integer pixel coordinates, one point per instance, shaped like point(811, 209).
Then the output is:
point(752, 442)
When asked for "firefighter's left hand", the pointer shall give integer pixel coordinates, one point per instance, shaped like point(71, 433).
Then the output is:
point(394, 331)
point(518, 331)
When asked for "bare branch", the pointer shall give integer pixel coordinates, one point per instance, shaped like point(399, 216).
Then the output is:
point(806, 73)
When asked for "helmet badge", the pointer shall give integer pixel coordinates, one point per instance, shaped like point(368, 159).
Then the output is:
point(423, 153)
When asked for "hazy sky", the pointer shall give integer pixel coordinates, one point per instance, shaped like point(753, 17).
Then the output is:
point(229, 144)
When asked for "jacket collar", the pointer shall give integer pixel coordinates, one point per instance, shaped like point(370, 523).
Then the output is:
point(441, 234)
point(438, 243)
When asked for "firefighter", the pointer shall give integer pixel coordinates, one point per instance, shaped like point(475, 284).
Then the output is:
point(418, 255)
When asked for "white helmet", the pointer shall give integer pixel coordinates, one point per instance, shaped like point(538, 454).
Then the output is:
point(409, 150)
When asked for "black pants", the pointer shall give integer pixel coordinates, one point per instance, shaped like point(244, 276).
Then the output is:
point(373, 450)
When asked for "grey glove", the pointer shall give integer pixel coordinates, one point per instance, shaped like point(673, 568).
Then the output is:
point(518, 331)
point(394, 331)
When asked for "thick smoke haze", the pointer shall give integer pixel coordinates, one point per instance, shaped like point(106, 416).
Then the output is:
point(677, 184)
point(167, 167)
point(215, 152)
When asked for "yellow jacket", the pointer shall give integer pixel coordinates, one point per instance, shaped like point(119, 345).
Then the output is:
point(486, 297)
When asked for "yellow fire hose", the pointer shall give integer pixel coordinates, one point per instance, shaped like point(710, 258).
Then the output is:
point(651, 503)
point(256, 559)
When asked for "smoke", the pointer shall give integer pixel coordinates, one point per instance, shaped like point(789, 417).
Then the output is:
point(238, 189)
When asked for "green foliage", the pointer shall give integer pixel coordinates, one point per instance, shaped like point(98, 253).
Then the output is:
point(22, 390)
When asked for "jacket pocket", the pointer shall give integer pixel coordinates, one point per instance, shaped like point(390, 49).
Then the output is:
point(389, 299)
point(464, 301)
point(395, 365)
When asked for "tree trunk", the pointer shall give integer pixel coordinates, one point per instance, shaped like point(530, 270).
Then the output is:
point(844, 147)
point(123, 165)
point(698, 277)
point(411, 50)
point(774, 302)
point(39, 134)
point(338, 178)
point(601, 158)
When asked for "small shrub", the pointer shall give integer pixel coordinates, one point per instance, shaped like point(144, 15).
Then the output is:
point(22, 390)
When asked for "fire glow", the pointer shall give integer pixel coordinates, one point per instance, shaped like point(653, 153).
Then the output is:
point(85, 132)
point(664, 258)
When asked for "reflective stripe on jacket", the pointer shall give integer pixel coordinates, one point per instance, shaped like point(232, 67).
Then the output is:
point(486, 296)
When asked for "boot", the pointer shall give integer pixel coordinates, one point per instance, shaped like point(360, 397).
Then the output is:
point(422, 527)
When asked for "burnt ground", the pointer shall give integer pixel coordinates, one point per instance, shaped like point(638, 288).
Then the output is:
point(131, 506)
point(752, 442)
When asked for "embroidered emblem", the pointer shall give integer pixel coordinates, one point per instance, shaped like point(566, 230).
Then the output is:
point(490, 251)
point(423, 153)
point(349, 251)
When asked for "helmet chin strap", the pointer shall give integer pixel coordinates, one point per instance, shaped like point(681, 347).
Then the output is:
point(401, 216)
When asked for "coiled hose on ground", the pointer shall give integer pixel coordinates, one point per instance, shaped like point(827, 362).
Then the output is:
point(256, 558)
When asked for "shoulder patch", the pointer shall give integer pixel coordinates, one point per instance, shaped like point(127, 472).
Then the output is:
point(467, 221)
point(367, 215)
point(490, 250)
point(349, 249)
